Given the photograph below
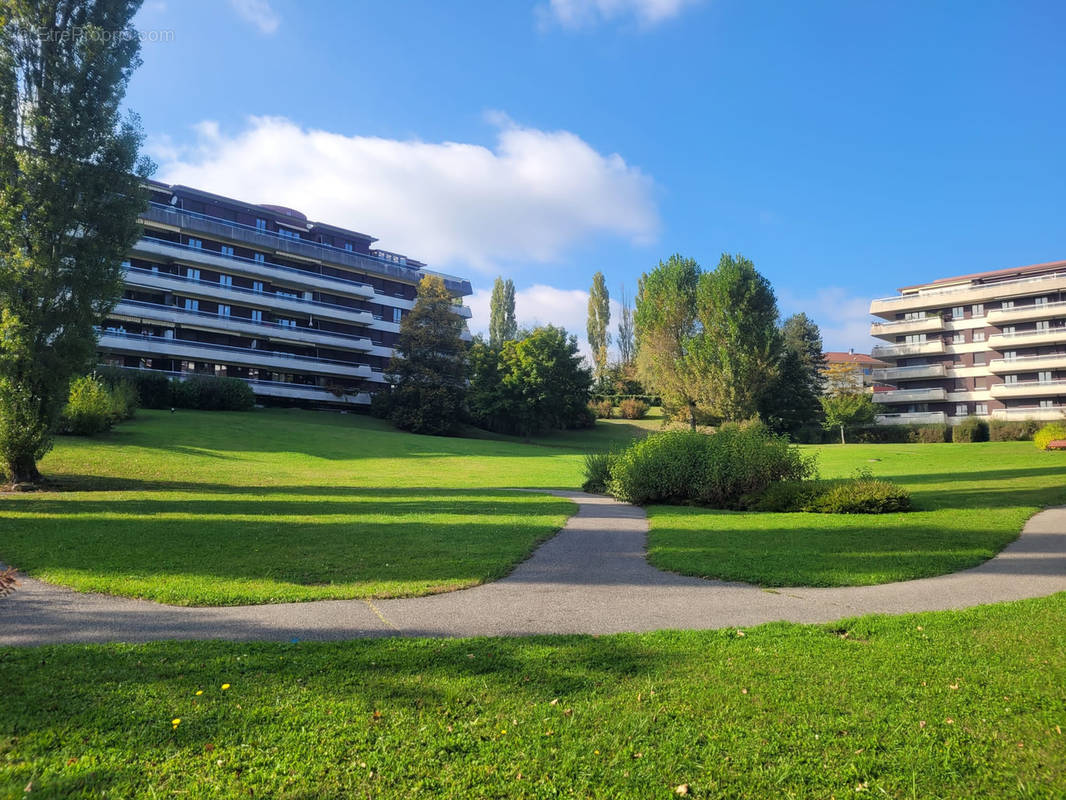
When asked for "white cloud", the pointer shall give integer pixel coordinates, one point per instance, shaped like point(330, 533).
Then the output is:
point(259, 13)
point(843, 318)
point(530, 198)
point(541, 304)
point(582, 13)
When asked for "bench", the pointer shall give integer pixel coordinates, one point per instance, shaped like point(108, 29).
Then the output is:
point(1056, 444)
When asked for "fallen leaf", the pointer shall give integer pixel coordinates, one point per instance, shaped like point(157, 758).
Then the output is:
point(921, 724)
point(554, 702)
point(209, 747)
point(681, 789)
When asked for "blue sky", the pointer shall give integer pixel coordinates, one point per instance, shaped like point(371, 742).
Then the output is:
point(847, 148)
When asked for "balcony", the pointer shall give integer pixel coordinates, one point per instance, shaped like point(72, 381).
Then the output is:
point(907, 349)
point(910, 373)
point(1052, 413)
point(1027, 313)
point(216, 227)
point(139, 345)
point(930, 395)
point(889, 330)
point(134, 309)
point(968, 293)
point(1002, 341)
point(1027, 363)
point(235, 265)
point(1029, 389)
point(912, 418)
point(164, 281)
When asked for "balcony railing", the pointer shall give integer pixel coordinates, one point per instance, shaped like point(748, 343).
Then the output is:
point(912, 418)
point(1032, 311)
point(911, 395)
point(1041, 413)
point(1027, 363)
point(1029, 388)
point(902, 326)
point(1000, 287)
point(1022, 337)
point(909, 373)
point(907, 349)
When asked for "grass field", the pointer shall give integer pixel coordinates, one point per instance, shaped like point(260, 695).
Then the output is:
point(941, 705)
point(971, 500)
point(202, 508)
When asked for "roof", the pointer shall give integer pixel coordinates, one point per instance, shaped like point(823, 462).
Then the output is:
point(978, 277)
point(852, 358)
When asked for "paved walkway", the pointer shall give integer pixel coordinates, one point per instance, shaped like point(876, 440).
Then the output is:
point(590, 578)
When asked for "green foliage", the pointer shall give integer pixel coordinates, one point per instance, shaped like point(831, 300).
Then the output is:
point(152, 388)
point(716, 470)
point(503, 325)
point(627, 346)
point(971, 429)
point(631, 408)
point(599, 322)
point(530, 386)
point(597, 472)
point(90, 408)
point(792, 403)
point(846, 409)
point(934, 433)
point(212, 393)
point(787, 496)
point(428, 373)
point(601, 409)
point(1049, 433)
point(863, 496)
point(740, 342)
point(1000, 430)
point(70, 192)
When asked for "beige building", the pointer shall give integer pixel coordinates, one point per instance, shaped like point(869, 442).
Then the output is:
point(991, 344)
point(862, 368)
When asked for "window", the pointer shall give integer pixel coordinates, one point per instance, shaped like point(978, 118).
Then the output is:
point(192, 305)
point(977, 310)
point(910, 315)
point(397, 315)
point(978, 383)
point(958, 312)
point(257, 315)
point(196, 243)
point(225, 280)
point(257, 286)
point(223, 311)
point(1043, 325)
point(1010, 355)
point(1040, 301)
point(281, 293)
point(260, 224)
point(1044, 377)
point(168, 333)
point(981, 409)
point(961, 409)
point(1047, 403)
point(1007, 304)
point(1008, 330)
point(285, 233)
point(913, 338)
point(286, 323)
point(959, 338)
point(348, 246)
point(1010, 379)
point(226, 250)
point(259, 258)
point(978, 359)
point(978, 336)
point(192, 274)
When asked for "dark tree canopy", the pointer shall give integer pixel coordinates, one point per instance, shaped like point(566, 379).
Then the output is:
point(69, 198)
point(793, 401)
point(428, 372)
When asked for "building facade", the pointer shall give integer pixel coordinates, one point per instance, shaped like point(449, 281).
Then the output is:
point(862, 367)
point(992, 344)
point(307, 313)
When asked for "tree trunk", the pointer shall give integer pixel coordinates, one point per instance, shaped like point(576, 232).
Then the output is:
point(692, 416)
point(23, 469)
point(842, 435)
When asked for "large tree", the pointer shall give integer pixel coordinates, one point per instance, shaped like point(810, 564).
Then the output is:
point(598, 326)
point(69, 198)
point(793, 399)
point(668, 340)
point(428, 372)
point(738, 314)
point(503, 325)
point(627, 347)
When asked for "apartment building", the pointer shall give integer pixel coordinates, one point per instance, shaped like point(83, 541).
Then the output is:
point(306, 312)
point(992, 344)
point(861, 366)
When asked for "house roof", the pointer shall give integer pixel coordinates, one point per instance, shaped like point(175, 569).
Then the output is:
point(852, 358)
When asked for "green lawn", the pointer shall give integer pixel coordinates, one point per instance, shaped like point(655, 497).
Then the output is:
point(941, 705)
point(971, 500)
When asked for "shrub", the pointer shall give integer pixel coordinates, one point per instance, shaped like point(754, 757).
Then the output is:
point(932, 434)
point(123, 401)
point(786, 496)
point(597, 472)
point(601, 409)
point(1049, 433)
point(863, 496)
point(631, 408)
point(716, 470)
point(210, 393)
point(884, 434)
point(1015, 431)
point(89, 409)
point(971, 429)
point(152, 388)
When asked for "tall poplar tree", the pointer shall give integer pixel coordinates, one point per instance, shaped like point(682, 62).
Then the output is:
point(503, 325)
point(70, 193)
point(627, 349)
point(599, 323)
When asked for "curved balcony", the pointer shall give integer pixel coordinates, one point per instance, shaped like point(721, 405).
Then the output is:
point(930, 395)
point(910, 373)
point(135, 309)
point(1004, 341)
point(907, 349)
point(968, 293)
point(1029, 389)
point(1036, 413)
point(139, 345)
point(889, 330)
point(912, 418)
point(1027, 313)
point(1000, 366)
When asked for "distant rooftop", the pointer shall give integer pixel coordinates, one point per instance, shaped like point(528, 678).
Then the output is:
point(852, 358)
point(990, 276)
